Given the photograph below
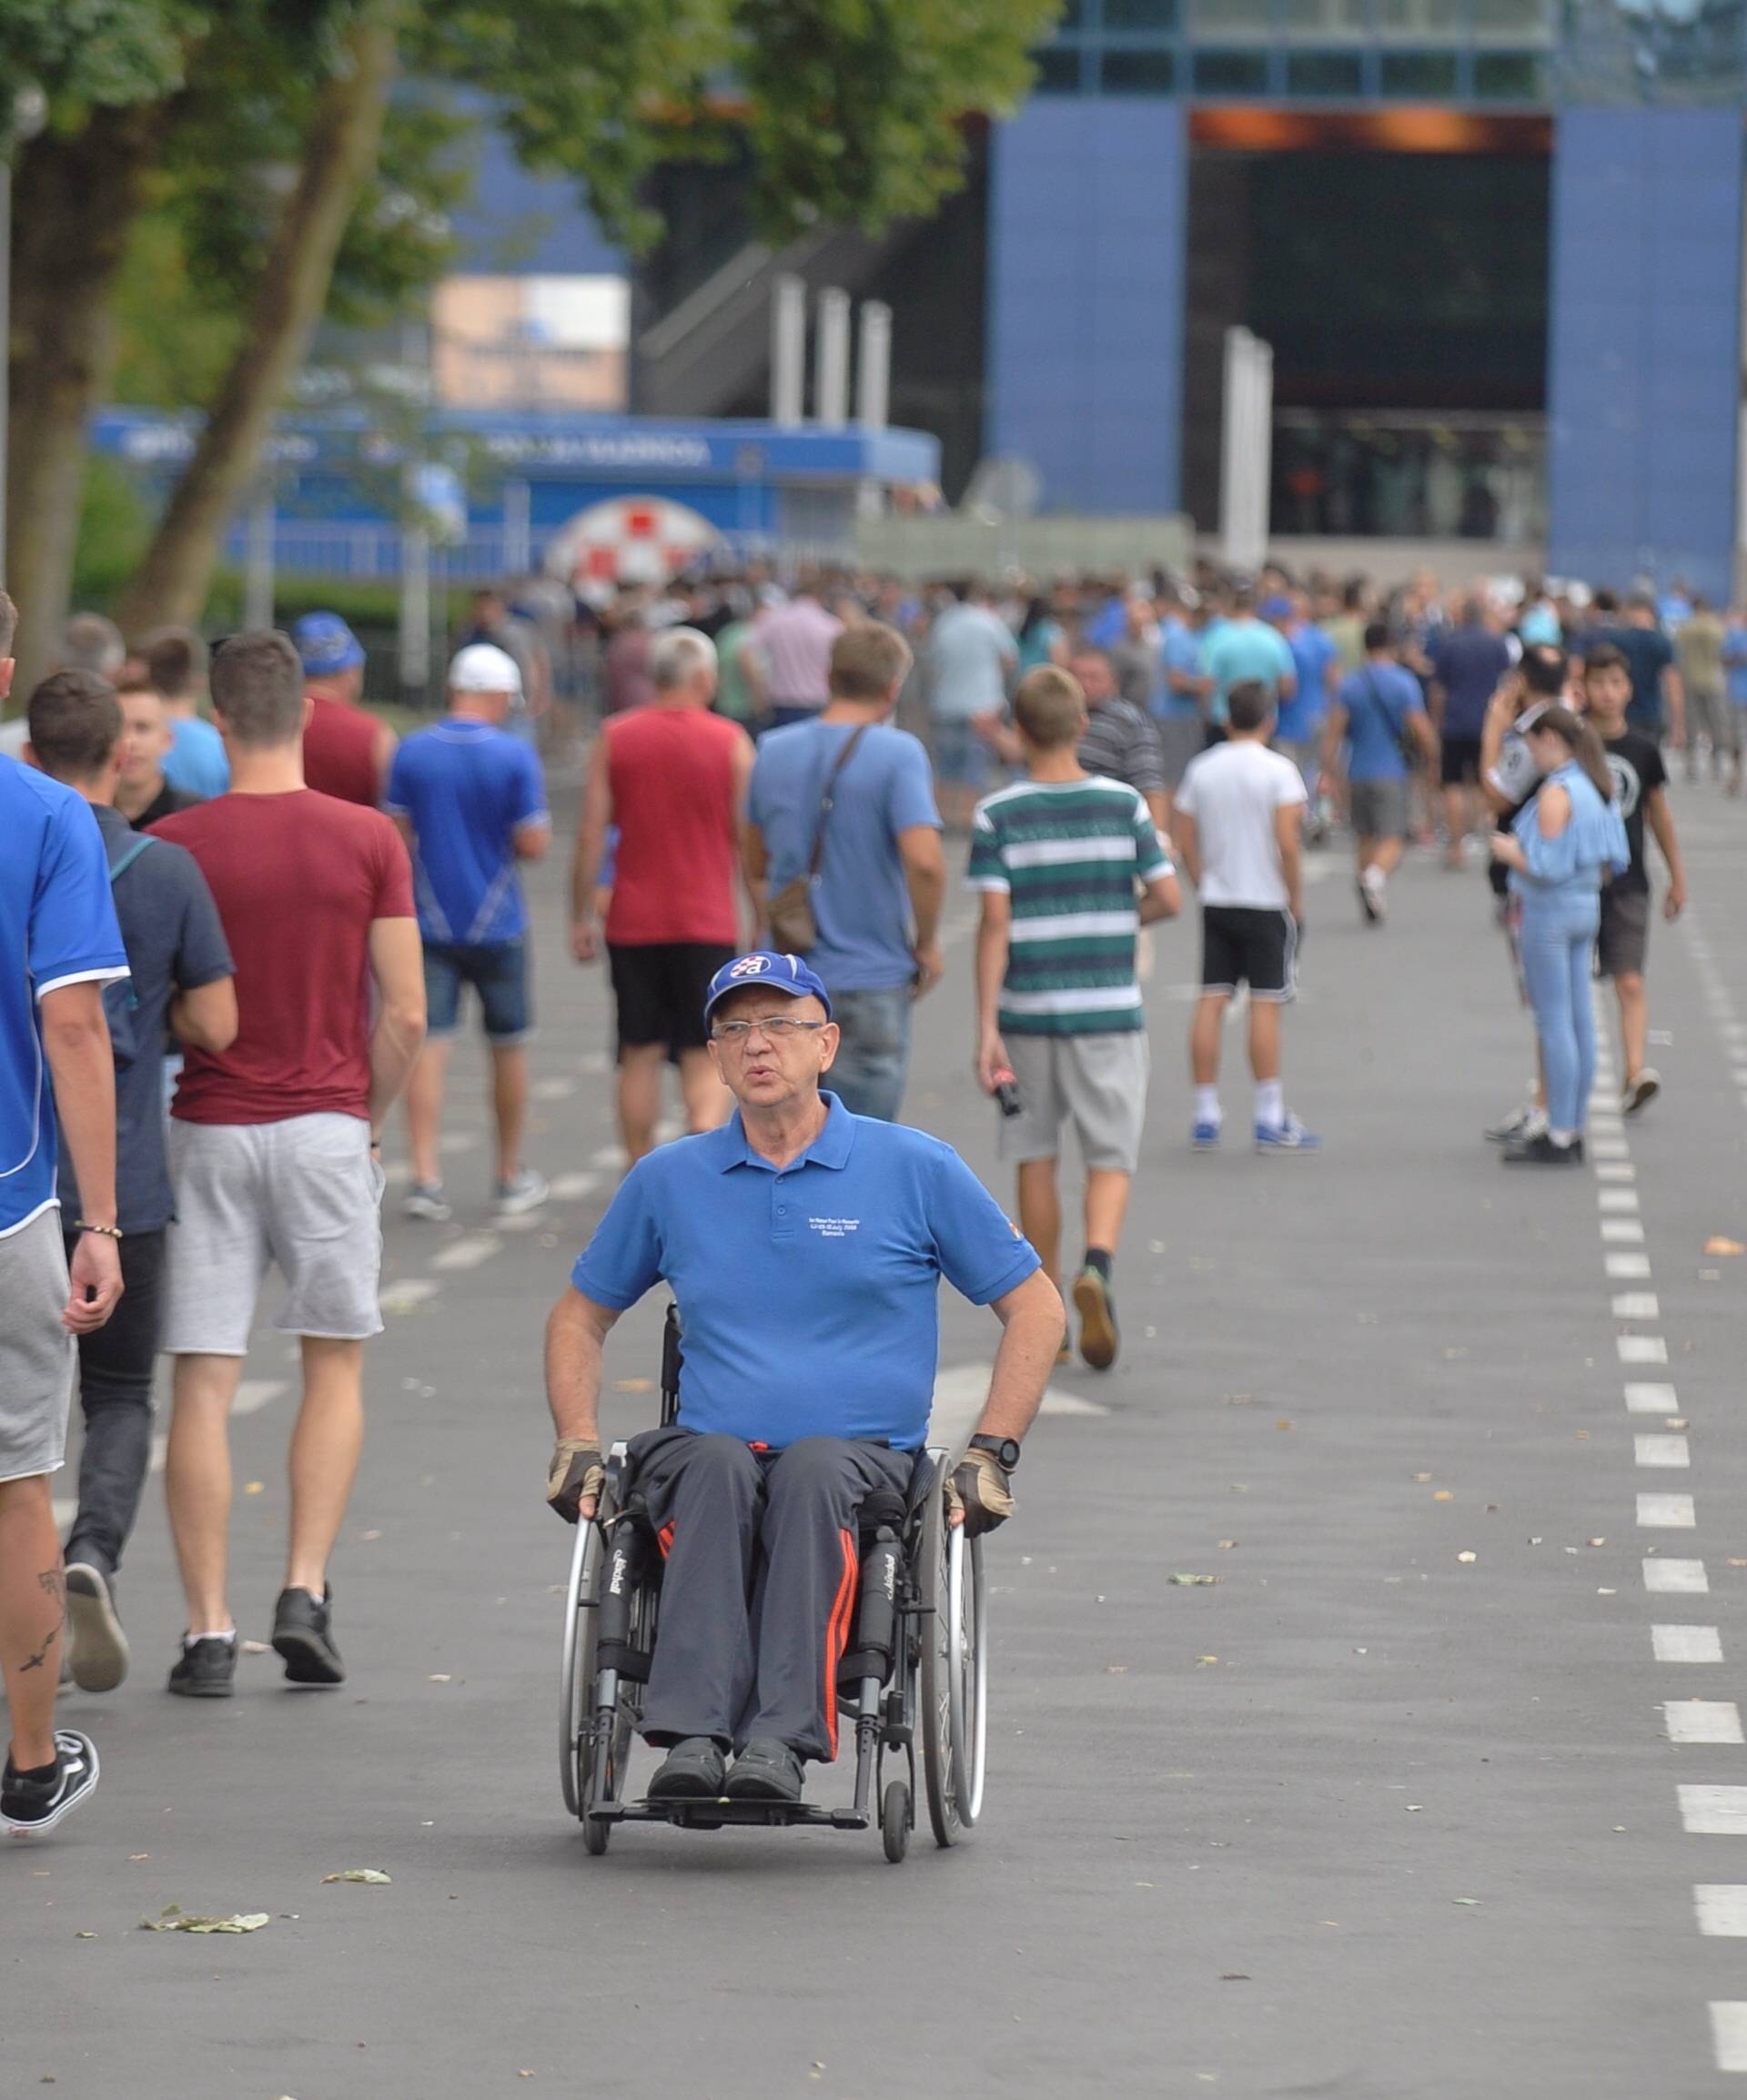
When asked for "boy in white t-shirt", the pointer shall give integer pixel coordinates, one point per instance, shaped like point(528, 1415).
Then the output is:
point(1240, 831)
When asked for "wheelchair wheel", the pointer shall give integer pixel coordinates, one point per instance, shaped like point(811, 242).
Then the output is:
point(952, 1722)
point(895, 1821)
point(576, 1668)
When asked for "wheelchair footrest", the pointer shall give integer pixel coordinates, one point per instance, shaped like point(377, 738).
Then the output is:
point(728, 1814)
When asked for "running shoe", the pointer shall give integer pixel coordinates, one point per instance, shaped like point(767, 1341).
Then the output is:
point(693, 1769)
point(766, 1769)
point(99, 1645)
point(206, 1668)
point(30, 1806)
point(1524, 1122)
point(1205, 1137)
point(1373, 898)
point(1092, 1301)
point(303, 1639)
point(426, 1199)
point(1287, 1136)
point(526, 1192)
point(1639, 1092)
point(1540, 1151)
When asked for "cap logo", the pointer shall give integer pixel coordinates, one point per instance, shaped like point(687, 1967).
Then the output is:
point(750, 966)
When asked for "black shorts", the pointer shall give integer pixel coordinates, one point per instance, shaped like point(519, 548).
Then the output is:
point(659, 987)
point(1624, 934)
point(1461, 765)
point(1244, 945)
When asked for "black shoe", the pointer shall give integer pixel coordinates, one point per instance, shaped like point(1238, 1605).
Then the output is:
point(765, 1770)
point(29, 1806)
point(692, 1770)
point(1540, 1151)
point(300, 1634)
point(204, 1667)
point(99, 1646)
point(1097, 1310)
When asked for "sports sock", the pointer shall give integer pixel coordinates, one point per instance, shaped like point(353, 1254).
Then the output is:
point(228, 1635)
point(1099, 1258)
point(39, 1775)
point(1206, 1104)
point(1562, 1138)
point(1270, 1103)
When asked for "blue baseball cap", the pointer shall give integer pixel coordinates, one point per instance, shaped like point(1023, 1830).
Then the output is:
point(326, 644)
point(763, 971)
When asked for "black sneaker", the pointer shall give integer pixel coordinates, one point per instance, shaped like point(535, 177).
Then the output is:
point(99, 1656)
point(300, 1634)
point(30, 1806)
point(692, 1770)
point(1097, 1311)
point(204, 1667)
point(1540, 1151)
point(766, 1769)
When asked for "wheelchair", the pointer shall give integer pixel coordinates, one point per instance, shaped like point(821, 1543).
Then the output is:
point(914, 1677)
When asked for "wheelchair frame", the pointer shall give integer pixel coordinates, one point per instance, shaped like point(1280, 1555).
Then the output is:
point(914, 1676)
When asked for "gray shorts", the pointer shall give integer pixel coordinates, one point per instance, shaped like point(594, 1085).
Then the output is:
point(1625, 933)
point(1180, 739)
point(1097, 1082)
point(36, 1353)
point(304, 1194)
point(1378, 808)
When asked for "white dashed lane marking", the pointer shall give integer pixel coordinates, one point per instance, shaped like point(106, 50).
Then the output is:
point(1676, 1578)
point(573, 1188)
point(1686, 1643)
point(1702, 1721)
point(1721, 1908)
point(1623, 1267)
point(1622, 1231)
point(1666, 1513)
point(1651, 1399)
point(1662, 1451)
point(408, 1293)
point(467, 1253)
point(1642, 1348)
point(1624, 1199)
point(1713, 1811)
point(1729, 2033)
point(1637, 1305)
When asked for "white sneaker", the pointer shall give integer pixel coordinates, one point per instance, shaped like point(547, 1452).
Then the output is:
point(1638, 1092)
point(426, 1199)
point(527, 1192)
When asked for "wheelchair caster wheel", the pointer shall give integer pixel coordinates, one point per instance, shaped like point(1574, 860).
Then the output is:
point(595, 1835)
point(895, 1821)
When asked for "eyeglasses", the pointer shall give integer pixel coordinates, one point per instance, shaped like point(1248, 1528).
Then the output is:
point(779, 1027)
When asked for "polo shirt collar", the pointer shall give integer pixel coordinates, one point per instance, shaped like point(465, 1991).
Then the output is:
point(830, 1148)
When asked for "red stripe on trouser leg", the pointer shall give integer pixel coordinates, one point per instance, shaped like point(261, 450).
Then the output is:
point(664, 1539)
point(837, 1634)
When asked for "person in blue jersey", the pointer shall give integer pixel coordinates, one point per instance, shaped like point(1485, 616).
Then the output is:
point(471, 802)
point(1378, 719)
point(804, 1247)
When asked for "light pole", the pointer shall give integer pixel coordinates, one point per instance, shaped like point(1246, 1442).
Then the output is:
point(28, 114)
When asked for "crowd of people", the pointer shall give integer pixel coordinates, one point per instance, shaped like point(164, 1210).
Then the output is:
point(252, 915)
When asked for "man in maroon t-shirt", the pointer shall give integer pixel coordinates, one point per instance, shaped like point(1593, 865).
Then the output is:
point(346, 751)
point(673, 777)
point(273, 1146)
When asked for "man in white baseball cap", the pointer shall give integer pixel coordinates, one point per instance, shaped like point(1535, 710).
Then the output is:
point(472, 804)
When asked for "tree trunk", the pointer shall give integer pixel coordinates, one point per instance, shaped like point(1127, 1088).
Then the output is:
point(340, 157)
point(75, 203)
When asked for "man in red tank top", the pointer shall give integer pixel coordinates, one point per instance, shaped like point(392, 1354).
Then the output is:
point(672, 778)
point(347, 753)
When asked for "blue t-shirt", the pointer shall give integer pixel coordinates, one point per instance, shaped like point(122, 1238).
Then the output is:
point(1734, 662)
point(467, 788)
point(1244, 649)
point(56, 919)
point(809, 1295)
point(196, 761)
point(1468, 662)
point(1312, 654)
point(860, 902)
point(1179, 650)
point(175, 942)
point(1378, 699)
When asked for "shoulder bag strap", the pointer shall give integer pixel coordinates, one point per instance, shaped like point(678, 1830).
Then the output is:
point(118, 869)
point(816, 857)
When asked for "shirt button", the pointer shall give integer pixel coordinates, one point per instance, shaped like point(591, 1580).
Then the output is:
point(781, 1210)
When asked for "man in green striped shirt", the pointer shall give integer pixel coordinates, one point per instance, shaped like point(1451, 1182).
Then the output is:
point(1070, 867)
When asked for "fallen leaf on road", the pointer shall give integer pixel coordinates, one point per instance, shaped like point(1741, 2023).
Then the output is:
point(374, 1875)
point(85, 1935)
point(1193, 1581)
point(1443, 1495)
point(1737, 1563)
point(1203, 1658)
point(1282, 1423)
point(1422, 1477)
point(254, 1487)
point(254, 1648)
point(1595, 1541)
point(1237, 1400)
point(173, 1918)
point(440, 1679)
point(1116, 1670)
point(134, 1858)
point(1226, 1545)
point(1234, 1976)
point(1717, 1244)
point(1467, 1557)
point(1468, 1902)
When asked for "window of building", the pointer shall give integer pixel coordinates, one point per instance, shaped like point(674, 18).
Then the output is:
point(1140, 14)
point(1509, 76)
point(1512, 18)
point(1308, 18)
point(1058, 71)
point(1231, 72)
point(1397, 18)
point(1425, 76)
point(1139, 72)
point(1311, 74)
point(1231, 18)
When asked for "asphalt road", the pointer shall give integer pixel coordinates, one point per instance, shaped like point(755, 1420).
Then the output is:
point(1388, 1810)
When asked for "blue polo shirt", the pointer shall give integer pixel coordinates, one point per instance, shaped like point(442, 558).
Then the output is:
point(809, 1295)
point(467, 788)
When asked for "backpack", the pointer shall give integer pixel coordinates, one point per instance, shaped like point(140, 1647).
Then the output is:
point(120, 1006)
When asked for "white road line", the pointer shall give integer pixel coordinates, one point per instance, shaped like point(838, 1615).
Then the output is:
point(1616, 1170)
point(1686, 1643)
point(1666, 1513)
point(1622, 1232)
point(1651, 1400)
point(528, 1221)
point(1622, 1266)
point(467, 1253)
point(253, 1394)
point(1702, 1721)
point(572, 1187)
point(1729, 2033)
point(1713, 1811)
point(1636, 1304)
point(1642, 1348)
point(1662, 1451)
point(553, 1089)
point(1676, 1578)
point(1721, 1907)
point(1608, 1149)
point(408, 1293)
point(459, 1141)
point(1623, 1200)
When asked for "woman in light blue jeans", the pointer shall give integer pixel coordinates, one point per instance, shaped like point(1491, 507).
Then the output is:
point(1560, 851)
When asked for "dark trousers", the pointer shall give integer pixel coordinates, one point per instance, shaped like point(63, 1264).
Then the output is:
point(116, 1367)
point(760, 1592)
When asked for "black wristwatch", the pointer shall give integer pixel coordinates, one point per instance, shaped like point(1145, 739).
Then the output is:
point(1004, 1451)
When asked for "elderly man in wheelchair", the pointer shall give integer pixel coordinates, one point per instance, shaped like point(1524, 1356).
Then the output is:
point(804, 1247)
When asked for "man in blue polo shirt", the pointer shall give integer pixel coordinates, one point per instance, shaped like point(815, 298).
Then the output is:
point(805, 1247)
point(472, 804)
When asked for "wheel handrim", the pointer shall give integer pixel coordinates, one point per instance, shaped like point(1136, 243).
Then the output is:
point(967, 1670)
point(569, 1686)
